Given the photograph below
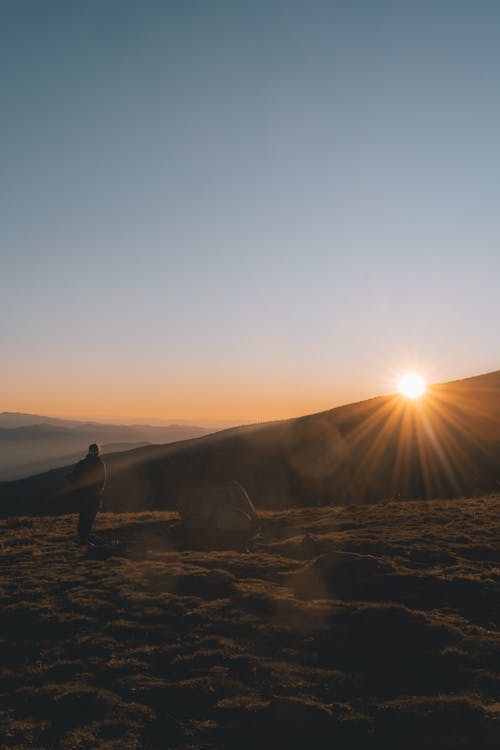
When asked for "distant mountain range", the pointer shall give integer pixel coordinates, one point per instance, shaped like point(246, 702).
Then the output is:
point(447, 444)
point(30, 443)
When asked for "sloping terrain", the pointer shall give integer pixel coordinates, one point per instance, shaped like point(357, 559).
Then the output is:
point(355, 627)
point(446, 444)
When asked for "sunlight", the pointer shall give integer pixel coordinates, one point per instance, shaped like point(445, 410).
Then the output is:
point(412, 385)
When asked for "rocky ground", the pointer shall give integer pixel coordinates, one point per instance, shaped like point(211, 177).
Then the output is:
point(350, 627)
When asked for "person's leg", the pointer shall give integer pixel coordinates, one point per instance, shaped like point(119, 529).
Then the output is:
point(84, 522)
point(94, 508)
point(92, 516)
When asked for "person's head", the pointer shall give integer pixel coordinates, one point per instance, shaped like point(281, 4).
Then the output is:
point(94, 449)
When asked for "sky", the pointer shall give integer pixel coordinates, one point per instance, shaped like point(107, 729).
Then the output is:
point(245, 211)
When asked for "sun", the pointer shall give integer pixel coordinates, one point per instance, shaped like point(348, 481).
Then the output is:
point(412, 385)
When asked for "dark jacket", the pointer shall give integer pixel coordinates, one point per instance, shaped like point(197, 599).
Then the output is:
point(89, 475)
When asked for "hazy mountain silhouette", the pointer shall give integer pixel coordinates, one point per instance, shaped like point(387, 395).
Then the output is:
point(21, 419)
point(30, 443)
point(444, 445)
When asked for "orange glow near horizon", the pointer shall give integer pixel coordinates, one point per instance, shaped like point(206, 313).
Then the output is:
point(231, 407)
point(213, 404)
point(223, 402)
point(429, 436)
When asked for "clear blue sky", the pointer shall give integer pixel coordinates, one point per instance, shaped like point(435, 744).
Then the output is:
point(245, 210)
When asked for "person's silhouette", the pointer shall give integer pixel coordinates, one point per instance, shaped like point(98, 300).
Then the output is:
point(88, 479)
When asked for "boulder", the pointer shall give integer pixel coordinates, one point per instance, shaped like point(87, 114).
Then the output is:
point(345, 574)
point(218, 514)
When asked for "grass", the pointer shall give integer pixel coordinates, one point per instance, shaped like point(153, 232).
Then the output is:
point(358, 627)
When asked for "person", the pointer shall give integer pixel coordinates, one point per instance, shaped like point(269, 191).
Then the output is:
point(88, 479)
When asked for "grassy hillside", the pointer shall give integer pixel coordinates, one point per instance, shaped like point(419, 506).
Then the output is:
point(446, 444)
point(358, 627)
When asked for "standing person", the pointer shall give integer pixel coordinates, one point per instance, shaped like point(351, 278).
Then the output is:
point(88, 479)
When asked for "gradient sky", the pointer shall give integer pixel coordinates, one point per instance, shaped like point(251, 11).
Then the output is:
point(245, 210)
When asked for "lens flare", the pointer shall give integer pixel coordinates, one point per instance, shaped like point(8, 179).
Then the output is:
point(412, 385)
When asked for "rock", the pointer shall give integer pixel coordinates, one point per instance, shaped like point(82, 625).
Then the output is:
point(351, 564)
point(344, 574)
point(220, 514)
point(229, 519)
point(295, 713)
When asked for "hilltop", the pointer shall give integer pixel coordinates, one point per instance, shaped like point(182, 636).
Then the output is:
point(368, 627)
point(446, 444)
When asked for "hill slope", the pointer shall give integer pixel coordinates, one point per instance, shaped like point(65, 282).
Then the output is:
point(362, 627)
point(445, 445)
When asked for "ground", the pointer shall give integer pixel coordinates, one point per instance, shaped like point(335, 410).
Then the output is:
point(373, 626)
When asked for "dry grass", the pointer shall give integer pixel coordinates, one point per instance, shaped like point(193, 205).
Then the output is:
point(352, 627)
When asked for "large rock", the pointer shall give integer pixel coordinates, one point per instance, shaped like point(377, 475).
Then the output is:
point(220, 514)
point(345, 574)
